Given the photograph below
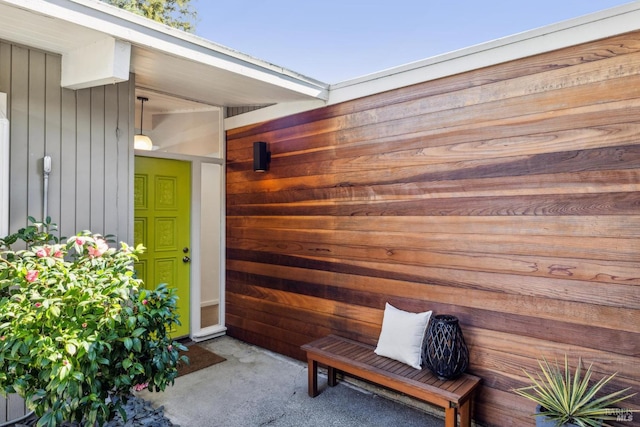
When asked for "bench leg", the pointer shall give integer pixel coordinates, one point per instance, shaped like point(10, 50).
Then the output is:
point(450, 415)
point(465, 414)
point(331, 376)
point(313, 377)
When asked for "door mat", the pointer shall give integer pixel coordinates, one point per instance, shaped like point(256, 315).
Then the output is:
point(199, 358)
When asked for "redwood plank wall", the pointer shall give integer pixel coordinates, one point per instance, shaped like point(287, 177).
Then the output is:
point(507, 196)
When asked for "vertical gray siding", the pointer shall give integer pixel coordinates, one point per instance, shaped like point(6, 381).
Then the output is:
point(12, 408)
point(86, 133)
point(236, 111)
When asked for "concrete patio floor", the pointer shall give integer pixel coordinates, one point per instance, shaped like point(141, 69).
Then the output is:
point(256, 387)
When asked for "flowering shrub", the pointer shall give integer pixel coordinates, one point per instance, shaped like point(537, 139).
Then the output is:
point(78, 331)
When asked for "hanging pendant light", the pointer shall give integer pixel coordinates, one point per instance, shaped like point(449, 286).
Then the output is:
point(142, 142)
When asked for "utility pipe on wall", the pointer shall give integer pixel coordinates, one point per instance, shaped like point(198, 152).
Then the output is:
point(46, 166)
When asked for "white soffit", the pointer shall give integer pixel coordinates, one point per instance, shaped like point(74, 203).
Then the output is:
point(202, 70)
point(272, 112)
point(599, 25)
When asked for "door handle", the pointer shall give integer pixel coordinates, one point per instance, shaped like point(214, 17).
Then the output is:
point(186, 259)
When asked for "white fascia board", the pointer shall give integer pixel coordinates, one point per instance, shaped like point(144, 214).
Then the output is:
point(146, 33)
point(599, 25)
point(4, 166)
point(106, 61)
point(271, 112)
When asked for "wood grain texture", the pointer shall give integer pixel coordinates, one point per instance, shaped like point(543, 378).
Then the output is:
point(507, 196)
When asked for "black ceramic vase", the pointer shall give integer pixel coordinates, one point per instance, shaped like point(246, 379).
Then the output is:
point(445, 353)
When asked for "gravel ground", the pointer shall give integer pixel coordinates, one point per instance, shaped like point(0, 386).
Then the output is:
point(140, 413)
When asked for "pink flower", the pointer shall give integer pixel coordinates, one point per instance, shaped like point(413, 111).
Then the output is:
point(32, 275)
point(38, 305)
point(170, 347)
point(93, 252)
point(2, 338)
point(65, 362)
point(79, 241)
point(84, 325)
point(42, 252)
point(145, 302)
point(100, 248)
point(140, 387)
point(58, 254)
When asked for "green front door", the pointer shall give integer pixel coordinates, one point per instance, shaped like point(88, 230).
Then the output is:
point(162, 192)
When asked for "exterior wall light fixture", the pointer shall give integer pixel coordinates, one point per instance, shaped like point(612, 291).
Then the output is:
point(261, 157)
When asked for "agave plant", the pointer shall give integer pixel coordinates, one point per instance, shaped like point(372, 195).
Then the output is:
point(566, 398)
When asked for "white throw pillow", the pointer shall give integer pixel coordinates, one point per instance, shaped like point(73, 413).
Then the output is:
point(402, 335)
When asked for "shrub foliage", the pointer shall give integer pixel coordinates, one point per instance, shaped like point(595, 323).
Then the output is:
point(78, 330)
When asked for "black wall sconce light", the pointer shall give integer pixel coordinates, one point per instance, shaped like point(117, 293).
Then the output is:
point(261, 157)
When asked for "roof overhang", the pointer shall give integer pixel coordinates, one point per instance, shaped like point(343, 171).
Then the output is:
point(599, 25)
point(101, 44)
point(594, 26)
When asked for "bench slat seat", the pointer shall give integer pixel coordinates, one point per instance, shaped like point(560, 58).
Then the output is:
point(358, 359)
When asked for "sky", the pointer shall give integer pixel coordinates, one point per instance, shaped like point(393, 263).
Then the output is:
point(336, 40)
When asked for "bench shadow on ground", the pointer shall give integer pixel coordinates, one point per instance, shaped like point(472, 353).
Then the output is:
point(256, 387)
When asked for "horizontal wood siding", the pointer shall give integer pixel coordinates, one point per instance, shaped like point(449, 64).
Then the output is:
point(87, 135)
point(507, 196)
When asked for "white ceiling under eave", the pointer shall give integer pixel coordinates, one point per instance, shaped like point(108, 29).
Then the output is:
point(165, 61)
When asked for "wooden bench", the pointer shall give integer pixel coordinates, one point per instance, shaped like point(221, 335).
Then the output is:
point(359, 360)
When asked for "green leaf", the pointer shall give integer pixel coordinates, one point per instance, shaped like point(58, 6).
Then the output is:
point(15, 348)
point(46, 420)
point(131, 321)
point(71, 349)
point(128, 343)
point(139, 332)
point(64, 371)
